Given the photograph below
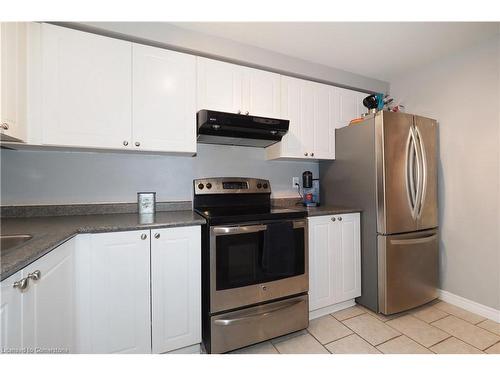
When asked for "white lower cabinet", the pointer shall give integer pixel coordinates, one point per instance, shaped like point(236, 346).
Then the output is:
point(40, 317)
point(11, 310)
point(113, 293)
point(48, 304)
point(118, 292)
point(175, 288)
point(138, 291)
point(334, 260)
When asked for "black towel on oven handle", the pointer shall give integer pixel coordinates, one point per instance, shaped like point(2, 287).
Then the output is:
point(278, 253)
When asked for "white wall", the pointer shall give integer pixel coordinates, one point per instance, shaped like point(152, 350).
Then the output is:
point(50, 177)
point(462, 93)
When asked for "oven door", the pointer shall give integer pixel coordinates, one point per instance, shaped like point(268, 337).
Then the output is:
point(237, 275)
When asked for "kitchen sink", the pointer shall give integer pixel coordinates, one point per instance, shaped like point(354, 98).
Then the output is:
point(10, 241)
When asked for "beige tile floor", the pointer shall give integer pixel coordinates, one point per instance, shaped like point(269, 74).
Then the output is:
point(438, 327)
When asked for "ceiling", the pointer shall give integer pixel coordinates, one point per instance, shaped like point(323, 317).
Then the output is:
point(381, 50)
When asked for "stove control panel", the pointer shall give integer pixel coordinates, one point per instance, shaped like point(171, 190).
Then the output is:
point(231, 185)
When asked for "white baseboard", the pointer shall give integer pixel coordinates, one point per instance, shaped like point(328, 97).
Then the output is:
point(331, 309)
point(467, 304)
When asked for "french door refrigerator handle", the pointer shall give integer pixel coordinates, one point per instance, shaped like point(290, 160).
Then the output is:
point(419, 172)
point(410, 173)
point(423, 182)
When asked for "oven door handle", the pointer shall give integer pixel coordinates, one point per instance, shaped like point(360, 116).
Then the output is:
point(259, 315)
point(240, 229)
point(250, 228)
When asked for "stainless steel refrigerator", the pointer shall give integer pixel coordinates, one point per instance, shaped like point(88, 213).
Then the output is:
point(387, 166)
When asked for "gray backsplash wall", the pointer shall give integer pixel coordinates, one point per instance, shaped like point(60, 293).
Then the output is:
point(54, 177)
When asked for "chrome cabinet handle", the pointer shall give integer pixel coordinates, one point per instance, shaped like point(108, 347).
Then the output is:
point(247, 113)
point(339, 218)
point(137, 144)
point(305, 153)
point(144, 236)
point(125, 143)
point(35, 275)
point(312, 153)
point(157, 235)
point(21, 284)
point(333, 219)
point(5, 126)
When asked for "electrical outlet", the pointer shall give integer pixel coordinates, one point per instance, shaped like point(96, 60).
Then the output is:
point(295, 182)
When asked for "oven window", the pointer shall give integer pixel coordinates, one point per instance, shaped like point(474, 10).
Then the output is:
point(241, 260)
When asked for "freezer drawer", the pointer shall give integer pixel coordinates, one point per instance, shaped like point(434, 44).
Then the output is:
point(407, 270)
point(240, 328)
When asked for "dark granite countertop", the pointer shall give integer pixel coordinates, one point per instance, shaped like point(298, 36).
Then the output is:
point(50, 231)
point(296, 204)
point(329, 210)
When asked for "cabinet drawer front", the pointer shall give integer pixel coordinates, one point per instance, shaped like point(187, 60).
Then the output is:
point(243, 327)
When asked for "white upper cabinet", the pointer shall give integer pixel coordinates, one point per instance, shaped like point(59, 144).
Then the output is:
point(86, 89)
point(220, 86)
point(349, 107)
point(113, 293)
point(234, 88)
point(310, 107)
point(324, 121)
point(292, 109)
point(176, 288)
point(13, 73)
point(262, 91)
point(164, 100)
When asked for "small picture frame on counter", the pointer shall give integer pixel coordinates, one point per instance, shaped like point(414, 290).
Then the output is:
point(146, 203)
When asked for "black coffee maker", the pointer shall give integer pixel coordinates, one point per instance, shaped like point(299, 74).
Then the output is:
point(310, 189)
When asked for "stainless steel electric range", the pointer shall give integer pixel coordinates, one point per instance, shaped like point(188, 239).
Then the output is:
point(254, 264)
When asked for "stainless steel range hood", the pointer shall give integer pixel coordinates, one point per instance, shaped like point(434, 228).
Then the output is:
point(239, 130)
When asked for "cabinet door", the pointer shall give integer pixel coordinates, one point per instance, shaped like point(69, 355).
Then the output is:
point(219, 86)
point(164, 100)
point(348, 106)
point(176, 288)
point(11, 314)
point(113, 293)
point(261, 93)
point(86, 89)
point(13, 45)
point(48, 302)
point(322, 241)
point(324, 121)
point(347, 257)
point(291, 144)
